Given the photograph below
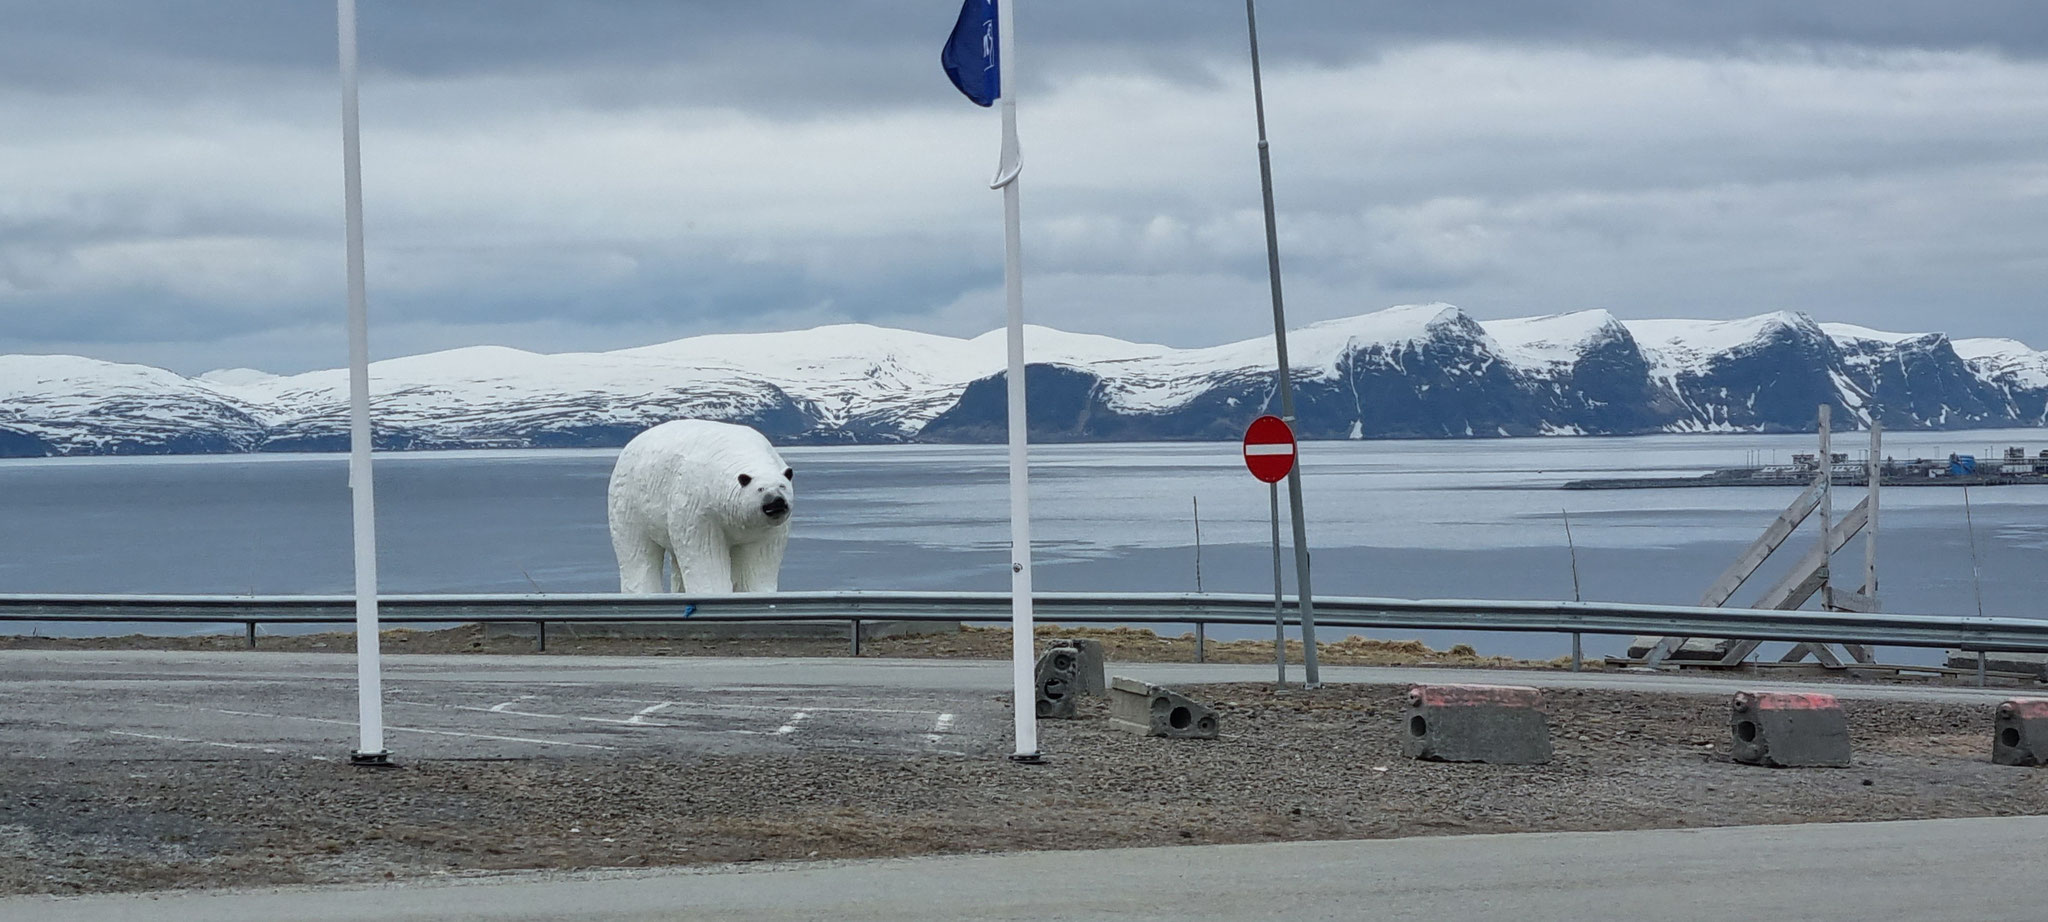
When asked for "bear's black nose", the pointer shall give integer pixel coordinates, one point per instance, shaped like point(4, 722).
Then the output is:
point(775, 507)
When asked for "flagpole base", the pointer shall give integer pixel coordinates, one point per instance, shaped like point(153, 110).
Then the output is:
point(1028, 758)
point(361, 759)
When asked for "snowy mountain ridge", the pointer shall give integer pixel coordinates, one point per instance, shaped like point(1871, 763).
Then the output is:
point(1427, 370)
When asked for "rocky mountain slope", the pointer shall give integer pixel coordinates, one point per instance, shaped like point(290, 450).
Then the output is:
point(1416, 371)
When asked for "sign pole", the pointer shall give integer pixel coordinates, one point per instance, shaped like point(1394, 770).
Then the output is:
point(1279, 615)
point(1311, 679)
point(1269, 453)
point(369, 669)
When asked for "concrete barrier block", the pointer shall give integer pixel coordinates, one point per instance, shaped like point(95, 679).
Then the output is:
point(1150, 710)
point(1789, 730)
point(1092, 669)
point(1500, 724)
point(1056, 679)
point(2019, 732)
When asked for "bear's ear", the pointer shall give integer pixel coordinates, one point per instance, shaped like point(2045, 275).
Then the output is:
point(744, 480)
point(789, 474)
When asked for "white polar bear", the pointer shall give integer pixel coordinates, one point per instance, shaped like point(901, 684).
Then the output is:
point(712, 498)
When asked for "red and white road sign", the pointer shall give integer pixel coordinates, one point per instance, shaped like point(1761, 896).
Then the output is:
point(1269, 448)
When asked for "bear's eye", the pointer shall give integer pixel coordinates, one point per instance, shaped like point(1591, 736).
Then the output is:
point(744, 480)
point(789, 473)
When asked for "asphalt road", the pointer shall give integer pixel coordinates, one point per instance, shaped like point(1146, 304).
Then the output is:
point(150, 705)
point(1969, 870)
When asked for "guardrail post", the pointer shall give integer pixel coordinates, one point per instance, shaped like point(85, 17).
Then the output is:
point(1201, 642)
point(1578, 652)
point(250, 626)
point(856, 636)
point(540, 637)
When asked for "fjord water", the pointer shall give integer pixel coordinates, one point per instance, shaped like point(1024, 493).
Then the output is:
point(1417, 519)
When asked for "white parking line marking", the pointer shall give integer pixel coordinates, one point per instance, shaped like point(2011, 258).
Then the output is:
point(351, 723)
point(939, 728)
point(639, 717)
point(774, 707)
point(615, 721)
point(794, 720)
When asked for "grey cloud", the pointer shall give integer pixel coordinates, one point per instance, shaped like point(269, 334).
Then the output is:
point(597, 175)
point(86, 41)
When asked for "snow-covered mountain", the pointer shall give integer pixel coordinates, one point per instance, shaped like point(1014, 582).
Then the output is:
point(1412, 371)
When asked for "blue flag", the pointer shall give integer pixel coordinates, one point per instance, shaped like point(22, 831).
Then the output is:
point(970, 53)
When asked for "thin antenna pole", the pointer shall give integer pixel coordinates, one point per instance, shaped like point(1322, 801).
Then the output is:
point(1573, 545)
point(369, 670)
point(1311, 678)
point(1976, 576)
point(1578, 647)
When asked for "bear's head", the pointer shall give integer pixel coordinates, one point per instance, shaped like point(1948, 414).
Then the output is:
point(768, 494)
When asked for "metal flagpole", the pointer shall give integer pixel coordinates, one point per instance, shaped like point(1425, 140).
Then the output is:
point(1286, 386)
point(1023, 648)
point(369, 672)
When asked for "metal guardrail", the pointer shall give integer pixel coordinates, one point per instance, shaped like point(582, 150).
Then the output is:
point(1198, 609)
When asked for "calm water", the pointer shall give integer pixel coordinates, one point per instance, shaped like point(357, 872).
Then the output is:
point(1409, 519)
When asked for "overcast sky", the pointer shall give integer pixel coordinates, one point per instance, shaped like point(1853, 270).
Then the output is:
point(582, 175)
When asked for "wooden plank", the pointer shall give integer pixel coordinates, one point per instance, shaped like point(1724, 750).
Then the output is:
point(1662, 650)
point(1761, 549)
point(1810, 572)
point(1818, 651)
point(1846, 600)
point(1739, 652)
point(1789, 598)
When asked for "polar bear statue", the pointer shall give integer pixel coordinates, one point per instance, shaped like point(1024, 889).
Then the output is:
point(712, 499)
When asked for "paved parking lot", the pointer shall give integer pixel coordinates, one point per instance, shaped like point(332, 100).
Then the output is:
point(123, 705)
point(187, 705)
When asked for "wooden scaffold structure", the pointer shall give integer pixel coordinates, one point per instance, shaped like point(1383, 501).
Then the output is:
point(1811, 575)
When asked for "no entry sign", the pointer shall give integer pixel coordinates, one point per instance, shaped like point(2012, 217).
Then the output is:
point(1269, 449)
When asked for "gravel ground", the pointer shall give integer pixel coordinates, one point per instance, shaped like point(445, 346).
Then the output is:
point(1291, 765)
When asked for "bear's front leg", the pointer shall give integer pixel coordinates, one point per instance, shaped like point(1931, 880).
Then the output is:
point(703, 562)
point(757, 567)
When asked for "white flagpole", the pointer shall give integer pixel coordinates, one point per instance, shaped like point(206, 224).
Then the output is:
point(369, 671)
point(1023, 648)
